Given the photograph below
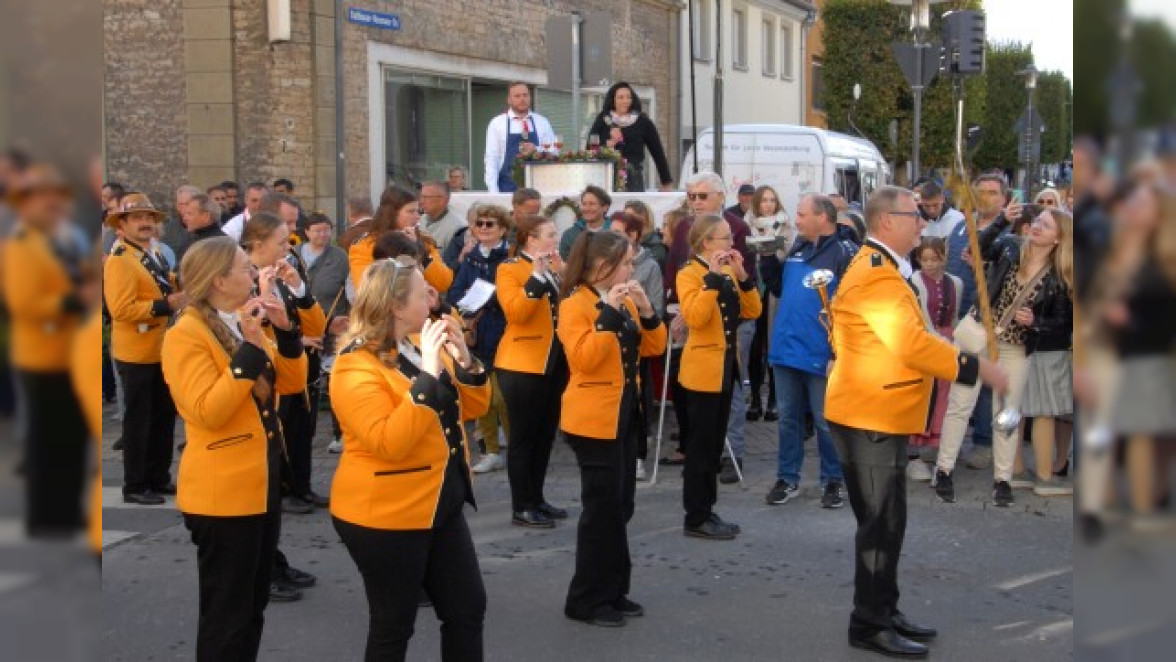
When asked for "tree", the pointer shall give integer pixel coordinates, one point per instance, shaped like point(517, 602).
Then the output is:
point(1099, 32)
point(1005, 100)
point(858, 35)
point(1055, 96)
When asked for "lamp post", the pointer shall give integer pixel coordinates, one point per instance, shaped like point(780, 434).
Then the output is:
point(857, 95)
point(916, 64)
point(1030, 74)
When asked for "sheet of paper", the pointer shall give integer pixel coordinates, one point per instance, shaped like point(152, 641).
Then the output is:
point(476, 297)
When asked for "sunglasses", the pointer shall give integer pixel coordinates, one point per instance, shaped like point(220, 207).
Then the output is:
point(485, 224)
point(698, 196)
point(1046, 202)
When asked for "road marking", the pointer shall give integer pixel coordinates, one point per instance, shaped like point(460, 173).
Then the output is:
point(1010, 626)
point(10, 581)
point(1049, 630)
point(111, 538)
point(1117, 635)
point(112, 497)
point(1025, 580)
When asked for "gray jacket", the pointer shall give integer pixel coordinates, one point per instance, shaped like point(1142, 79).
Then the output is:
point(648, 273)
point(328, 277)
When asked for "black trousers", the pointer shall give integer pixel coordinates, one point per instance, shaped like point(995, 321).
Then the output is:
point(235, 557)
point(709, 413)
point(532, 407)
point(149, 426)
point(608, 485)
point(56, 447)
point(874, 464)
point(396, 565)
point(757, 367)
point(678, 392)
point(646, 412)
point(299, 414)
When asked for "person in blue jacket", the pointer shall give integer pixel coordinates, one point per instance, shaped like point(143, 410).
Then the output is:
point(799, 352)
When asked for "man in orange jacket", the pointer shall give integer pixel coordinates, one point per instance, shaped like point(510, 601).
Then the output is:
point(879, 393)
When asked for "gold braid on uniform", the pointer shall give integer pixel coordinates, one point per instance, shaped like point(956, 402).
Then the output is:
point(262, 388)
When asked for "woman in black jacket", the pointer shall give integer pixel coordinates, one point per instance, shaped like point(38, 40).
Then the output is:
point(621, 125)
point(1026, 277)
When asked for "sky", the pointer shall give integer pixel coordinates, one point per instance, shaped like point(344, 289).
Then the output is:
point(1046, 24)
point(1165, 9)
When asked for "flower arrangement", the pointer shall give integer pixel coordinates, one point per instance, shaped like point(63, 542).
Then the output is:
point(620, 177)
point(555, 206)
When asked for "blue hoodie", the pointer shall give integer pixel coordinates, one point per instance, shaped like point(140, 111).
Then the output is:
point(799, 341)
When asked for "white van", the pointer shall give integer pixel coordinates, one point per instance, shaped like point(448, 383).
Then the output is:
point(794, 160)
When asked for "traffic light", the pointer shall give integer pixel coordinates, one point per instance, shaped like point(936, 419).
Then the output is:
point(963, 42)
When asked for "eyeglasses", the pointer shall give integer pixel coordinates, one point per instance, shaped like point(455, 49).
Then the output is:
point(722, 237)
point(485, 224)
point(904, 213)
point(697, 196)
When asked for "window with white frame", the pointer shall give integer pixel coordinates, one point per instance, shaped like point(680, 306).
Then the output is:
point(702, 28)
point(739, 38)
point(785, 50)
point(768, 46)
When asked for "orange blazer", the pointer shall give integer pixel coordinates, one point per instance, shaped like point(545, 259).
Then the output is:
point(224, 470)
point(359, 256)
point(712, 306)
point(531, 307)
point(589, 331)
point(886, 358)
point(86, 372)
point(137, 305)
point(399, 435)
point(42, 302)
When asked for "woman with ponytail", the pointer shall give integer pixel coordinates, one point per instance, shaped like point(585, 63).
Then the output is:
point(606, 324)
point(224, 373)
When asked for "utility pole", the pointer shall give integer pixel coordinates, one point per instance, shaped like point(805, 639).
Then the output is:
point(718, 110)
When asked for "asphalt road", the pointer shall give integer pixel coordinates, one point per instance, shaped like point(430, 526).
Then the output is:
point(996, 582)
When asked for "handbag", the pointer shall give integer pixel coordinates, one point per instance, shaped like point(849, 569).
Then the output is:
point(970, 335)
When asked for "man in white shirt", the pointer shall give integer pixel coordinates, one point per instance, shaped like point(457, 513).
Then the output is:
point(253, 195)
point(941, 219)
point(517, 131)
point(438, 221)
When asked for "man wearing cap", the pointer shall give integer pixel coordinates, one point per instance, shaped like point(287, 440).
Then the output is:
point(41, 280)
point(141, 296)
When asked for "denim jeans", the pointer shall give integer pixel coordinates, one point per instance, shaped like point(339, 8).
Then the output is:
point(737, 424)
point(982, 419)
point(798, 391)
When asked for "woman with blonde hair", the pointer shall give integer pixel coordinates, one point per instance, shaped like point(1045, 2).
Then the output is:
point(225, 372)
point(1026, 275)
point(716, 293)
point(401, 387)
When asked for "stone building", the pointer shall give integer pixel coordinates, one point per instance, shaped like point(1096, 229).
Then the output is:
point(196, 91)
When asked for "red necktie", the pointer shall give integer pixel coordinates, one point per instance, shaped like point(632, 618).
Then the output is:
point(526, 129)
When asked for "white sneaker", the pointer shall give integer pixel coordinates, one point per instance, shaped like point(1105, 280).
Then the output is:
point(489, 462)
point(640, 469)
point(917, 471)
point(336, 446)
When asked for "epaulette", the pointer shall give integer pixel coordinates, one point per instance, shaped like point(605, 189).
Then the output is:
point(352, 346)
point(512, 260)
point(876, 260)
point(119, 250)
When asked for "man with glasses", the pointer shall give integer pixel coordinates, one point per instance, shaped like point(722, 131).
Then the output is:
point(879, 392)
point(941, 218)
point(991, 191)
point(437, 221)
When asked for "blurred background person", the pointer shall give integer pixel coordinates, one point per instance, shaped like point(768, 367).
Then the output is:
point(457, 179)
point(436, 219)
point(399, 211)
point(42, 274)
point(594, 204)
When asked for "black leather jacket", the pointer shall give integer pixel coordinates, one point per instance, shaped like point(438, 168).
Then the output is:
point(1053, 308)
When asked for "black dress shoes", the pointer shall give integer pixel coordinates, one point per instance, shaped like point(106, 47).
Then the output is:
point(315, 499)
point(283, 593)
point(168, 488)
point(533, 519)
point(714, 517)
point(144, 498)
point(294, 578)
point(912, 630)
point(553, 512)
point(890, 644)
point(754, 411)
point(628, 608)
point(605, 617)
point(771, 415)
point(711, 530)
